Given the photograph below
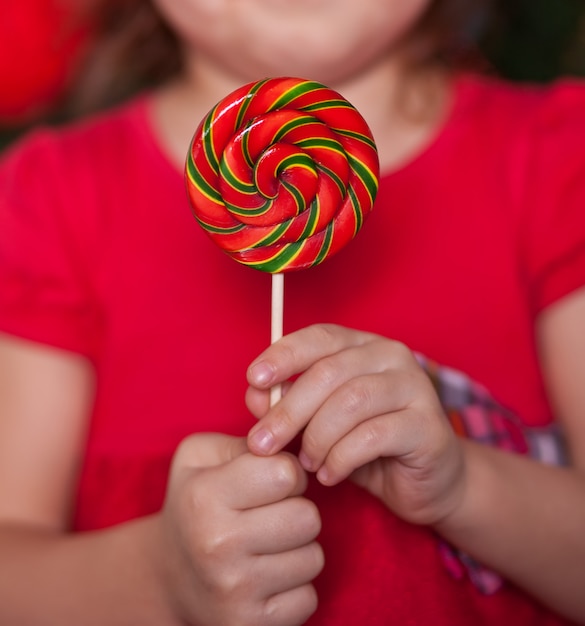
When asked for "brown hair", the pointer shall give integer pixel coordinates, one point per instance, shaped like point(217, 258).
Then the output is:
point(450, 32)
point(134, 48)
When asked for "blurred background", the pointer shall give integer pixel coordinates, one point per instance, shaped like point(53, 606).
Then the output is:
point(537, 40)
point(42, 44)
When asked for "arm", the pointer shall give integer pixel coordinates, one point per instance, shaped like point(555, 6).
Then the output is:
point(367, 412)
point(45, 398)
point(534, 534)
point(234, 538)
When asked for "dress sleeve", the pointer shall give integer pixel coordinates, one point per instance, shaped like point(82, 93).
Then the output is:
point(552, 230)
point(45, 293)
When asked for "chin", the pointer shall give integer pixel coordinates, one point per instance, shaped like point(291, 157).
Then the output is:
point(329, 73)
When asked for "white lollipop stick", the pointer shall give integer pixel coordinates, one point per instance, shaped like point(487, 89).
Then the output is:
point(277, 313)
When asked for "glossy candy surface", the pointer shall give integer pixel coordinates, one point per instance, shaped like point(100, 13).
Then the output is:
point(282, 173)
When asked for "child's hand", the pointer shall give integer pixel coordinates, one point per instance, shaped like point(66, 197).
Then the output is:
point(238, 539)
point(368, 410)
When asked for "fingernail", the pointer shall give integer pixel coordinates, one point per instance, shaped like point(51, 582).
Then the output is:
point(323, 475)
point(262, 440)
point(262, 373)
point(305, 461)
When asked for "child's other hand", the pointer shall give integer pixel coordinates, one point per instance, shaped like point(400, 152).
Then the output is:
point(368, 410)
point(238, 538)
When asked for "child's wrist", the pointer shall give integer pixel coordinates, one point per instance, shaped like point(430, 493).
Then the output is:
point(469, 494)
point(154, 557)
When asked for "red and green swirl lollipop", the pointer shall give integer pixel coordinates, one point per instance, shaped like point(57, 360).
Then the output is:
point(282, 173)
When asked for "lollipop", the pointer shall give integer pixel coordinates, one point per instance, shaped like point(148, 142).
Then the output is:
point(281, 174)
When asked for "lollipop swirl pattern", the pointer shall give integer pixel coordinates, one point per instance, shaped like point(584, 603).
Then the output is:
point(282, 173)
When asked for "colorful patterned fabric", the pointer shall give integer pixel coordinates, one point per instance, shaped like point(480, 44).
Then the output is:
point(475, 414)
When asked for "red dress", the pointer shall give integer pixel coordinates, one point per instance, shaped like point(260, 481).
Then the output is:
point(99, 254)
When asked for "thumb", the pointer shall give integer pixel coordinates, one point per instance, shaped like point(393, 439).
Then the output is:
point(209, 450)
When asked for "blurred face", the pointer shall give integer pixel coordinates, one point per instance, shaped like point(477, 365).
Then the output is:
point(326, 40)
